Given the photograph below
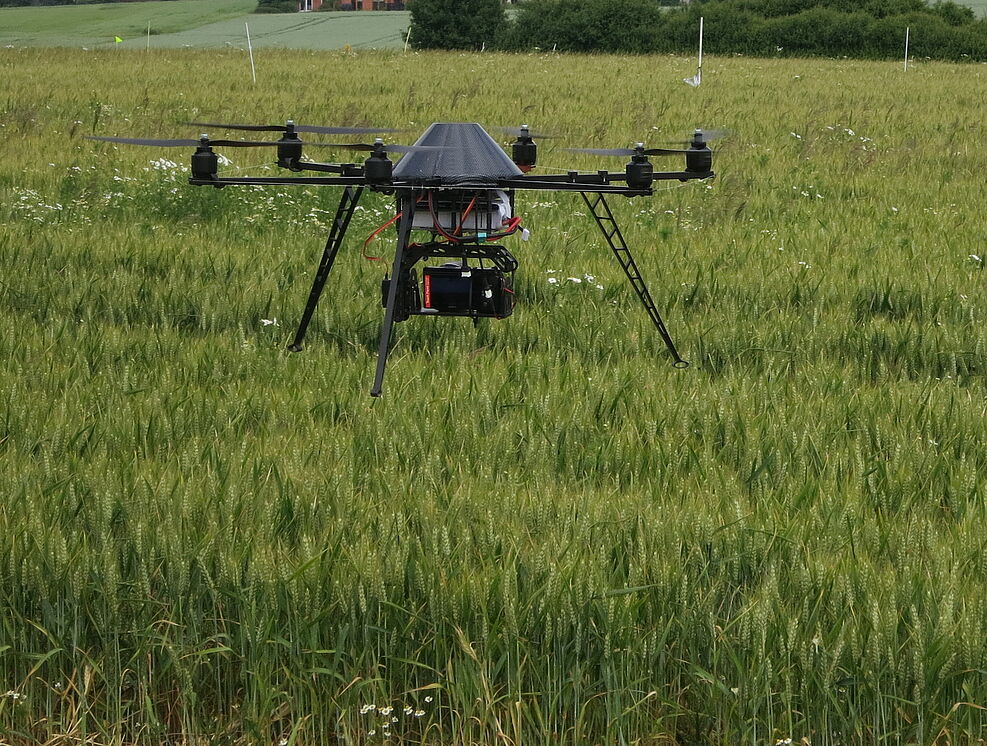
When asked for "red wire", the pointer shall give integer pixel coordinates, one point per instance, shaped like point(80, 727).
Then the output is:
point(435, 221)
point(374, 235)
point(462, 220)
point(512, 226)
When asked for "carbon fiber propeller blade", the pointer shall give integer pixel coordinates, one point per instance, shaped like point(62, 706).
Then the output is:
point(297, 128)
point(181, 143)
point(259, 144)
point(708, 136)
point(627, 151)
point(518, 131)
point(387, 148)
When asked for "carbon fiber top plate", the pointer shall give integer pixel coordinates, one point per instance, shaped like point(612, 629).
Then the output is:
point(469, 157)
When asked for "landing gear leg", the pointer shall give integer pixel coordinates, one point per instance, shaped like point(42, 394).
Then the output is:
point(406, 206)
point(611, 232)
point(347, 205)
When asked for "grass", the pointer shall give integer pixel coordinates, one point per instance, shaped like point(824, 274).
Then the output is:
point(543, 532)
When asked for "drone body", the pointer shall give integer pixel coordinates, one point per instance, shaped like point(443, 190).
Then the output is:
point(454, 191)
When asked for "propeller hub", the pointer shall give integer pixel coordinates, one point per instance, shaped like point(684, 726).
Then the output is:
point(524, 152)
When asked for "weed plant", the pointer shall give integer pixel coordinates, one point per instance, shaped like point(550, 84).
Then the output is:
point(542, 533)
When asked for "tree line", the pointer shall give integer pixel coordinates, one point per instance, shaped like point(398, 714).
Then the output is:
point(872, 29)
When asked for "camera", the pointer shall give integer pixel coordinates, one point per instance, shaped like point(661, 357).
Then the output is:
point(453, 289)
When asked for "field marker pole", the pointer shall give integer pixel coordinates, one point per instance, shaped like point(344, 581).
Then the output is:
point(148, 36)
point(250, 49)
point(407, 39)
point(700, 73)
point(907, 29)
point(697, 79)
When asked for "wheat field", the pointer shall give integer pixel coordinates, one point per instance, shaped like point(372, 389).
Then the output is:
point(542, 532)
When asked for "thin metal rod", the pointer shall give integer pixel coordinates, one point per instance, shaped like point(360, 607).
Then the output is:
point(406, 206)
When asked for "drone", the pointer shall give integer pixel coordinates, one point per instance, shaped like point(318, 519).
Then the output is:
point(454, 191)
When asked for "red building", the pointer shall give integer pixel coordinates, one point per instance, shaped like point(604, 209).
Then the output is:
point(305, 5)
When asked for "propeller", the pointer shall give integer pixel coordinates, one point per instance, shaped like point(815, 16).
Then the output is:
point(380, 146)
point(523, 131)
point(639, 150)
point(290, 126)
point(182, 143)
point(185, 143)
point(705, 136)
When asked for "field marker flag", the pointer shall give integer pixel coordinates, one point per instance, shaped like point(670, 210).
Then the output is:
point(117, 40)
point(697, 79)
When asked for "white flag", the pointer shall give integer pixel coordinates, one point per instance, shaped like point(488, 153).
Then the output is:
point(695, 80)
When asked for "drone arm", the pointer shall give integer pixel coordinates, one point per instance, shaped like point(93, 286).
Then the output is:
point(600, 181)
point(221, 181)
point(344, 169)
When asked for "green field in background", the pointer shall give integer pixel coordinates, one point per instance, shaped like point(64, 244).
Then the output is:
point(92, 25)
point(209, 24)
point(198, 24)
point(372, 29)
